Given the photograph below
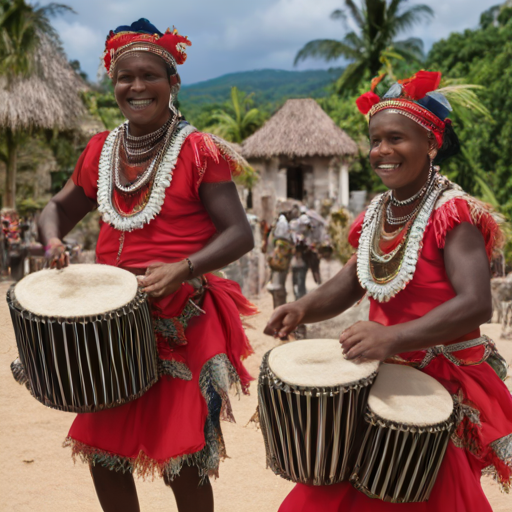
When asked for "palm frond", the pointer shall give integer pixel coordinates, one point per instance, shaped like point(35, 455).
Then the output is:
point(353, 75)
point(338, 14)
point(413, 15)
point(54, 9)
point(326, 49)
point(486, 193)
point(464, 96)
point(352, 40)
point(356, 13)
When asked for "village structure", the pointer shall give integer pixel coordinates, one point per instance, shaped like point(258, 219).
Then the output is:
point(301, 154)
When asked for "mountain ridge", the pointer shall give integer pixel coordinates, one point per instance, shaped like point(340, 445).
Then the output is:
point(268, 85)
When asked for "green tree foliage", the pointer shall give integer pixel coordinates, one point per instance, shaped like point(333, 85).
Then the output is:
point(21, 26)
point(482, 56)
point(239, 119)
point(379, 22)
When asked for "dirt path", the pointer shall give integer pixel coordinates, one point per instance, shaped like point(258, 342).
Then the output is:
point(37, 475)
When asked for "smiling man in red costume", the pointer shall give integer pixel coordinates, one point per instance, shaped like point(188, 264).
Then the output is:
point(170, 214)
point(423, 250)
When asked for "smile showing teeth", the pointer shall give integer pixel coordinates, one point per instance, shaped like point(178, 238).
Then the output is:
point(140, 103)
point(388, 166)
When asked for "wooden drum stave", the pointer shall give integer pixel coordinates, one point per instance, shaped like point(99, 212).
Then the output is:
point(84, 336)
point(311, 403)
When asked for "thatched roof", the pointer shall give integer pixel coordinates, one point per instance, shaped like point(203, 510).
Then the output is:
point(49, 98)
point(300, 128)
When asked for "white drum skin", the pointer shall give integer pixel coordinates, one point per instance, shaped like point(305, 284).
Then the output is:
point(76, 290)
point(317, 363)
point(406, 395)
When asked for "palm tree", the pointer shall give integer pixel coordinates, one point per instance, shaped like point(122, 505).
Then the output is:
point(21, 27)
point(379, 22)
point(239, 120)
point(34, 80)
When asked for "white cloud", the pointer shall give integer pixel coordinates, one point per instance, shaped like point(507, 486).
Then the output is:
point(235, 35)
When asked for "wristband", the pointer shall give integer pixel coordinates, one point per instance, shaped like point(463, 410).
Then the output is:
point(190, 266)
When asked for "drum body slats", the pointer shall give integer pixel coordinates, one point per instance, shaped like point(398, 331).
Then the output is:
point(79, 356)
point(397, 465)
point(89, 363)
point(310, 433)
point(68, 365)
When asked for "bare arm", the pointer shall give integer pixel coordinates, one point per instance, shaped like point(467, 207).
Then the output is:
point(327, 301)
point(234, 235)
point(234, 239)
point(60, 216)
point(63, 212)
point(467, 268)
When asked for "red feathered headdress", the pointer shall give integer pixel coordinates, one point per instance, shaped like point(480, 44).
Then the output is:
point(143, 36)
point(411, 98)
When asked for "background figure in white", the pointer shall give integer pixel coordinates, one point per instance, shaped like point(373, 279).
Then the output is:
point(279, 260)
point(308, 232)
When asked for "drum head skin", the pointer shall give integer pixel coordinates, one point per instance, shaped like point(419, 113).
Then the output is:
point(317, 363)
point(76, 291)
point(408, 396)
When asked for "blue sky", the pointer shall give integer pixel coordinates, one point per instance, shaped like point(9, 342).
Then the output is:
point(237, 35)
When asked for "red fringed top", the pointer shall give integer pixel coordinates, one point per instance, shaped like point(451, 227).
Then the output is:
point(430, 286)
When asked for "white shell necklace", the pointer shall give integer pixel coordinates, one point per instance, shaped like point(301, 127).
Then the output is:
point(162, 180)
point(384, 291)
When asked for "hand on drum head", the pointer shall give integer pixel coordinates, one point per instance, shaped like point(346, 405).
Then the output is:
point(284, 321)
point(369, 340)
point(56, 254)
point(162, 279)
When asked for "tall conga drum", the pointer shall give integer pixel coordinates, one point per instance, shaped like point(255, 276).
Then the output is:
point(311, 403)
point(408, 423)
point(84, 336)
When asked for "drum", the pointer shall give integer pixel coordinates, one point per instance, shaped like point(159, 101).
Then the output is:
point(311, 402)
point(84, 336)
point(409, 420)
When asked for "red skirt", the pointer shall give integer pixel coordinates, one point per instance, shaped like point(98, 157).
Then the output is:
point(482, 441)
point(177, 420)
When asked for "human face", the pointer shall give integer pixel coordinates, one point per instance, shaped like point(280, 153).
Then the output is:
point(142, 89)
point(399, 153)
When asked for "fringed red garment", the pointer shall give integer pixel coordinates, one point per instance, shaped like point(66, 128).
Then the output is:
point(456, 207)
point(200, 348)
point(483, 437)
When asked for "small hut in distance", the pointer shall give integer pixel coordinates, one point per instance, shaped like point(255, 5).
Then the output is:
point(300, 154)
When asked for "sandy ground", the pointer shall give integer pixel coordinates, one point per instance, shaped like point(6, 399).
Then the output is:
point(36, 474)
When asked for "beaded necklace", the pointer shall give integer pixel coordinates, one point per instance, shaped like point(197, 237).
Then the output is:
point(384, 275)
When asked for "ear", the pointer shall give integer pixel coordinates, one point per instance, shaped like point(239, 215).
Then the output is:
point(175, 80)
point(432, 146)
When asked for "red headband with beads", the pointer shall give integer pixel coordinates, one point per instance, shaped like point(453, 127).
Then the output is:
point(171, 46)
point(406, 99)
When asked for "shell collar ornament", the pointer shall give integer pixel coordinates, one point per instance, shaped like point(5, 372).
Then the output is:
point(385, 290)
point(162, 181)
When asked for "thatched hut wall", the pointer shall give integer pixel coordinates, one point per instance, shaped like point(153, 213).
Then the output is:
point(300, 153)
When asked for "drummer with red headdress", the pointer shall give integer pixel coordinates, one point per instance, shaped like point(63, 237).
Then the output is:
point(170, 214)
point(423, 251)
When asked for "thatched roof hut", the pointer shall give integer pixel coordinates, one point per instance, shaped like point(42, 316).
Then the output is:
point(299, 129)
point(299, 154)
point(48, 98)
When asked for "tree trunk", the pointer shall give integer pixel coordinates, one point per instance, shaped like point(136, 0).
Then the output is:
point(9, 199)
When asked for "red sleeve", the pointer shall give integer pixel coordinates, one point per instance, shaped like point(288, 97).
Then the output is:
point(467, 209)
point(211, 166)
point(355, 230)
point(85, 174)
